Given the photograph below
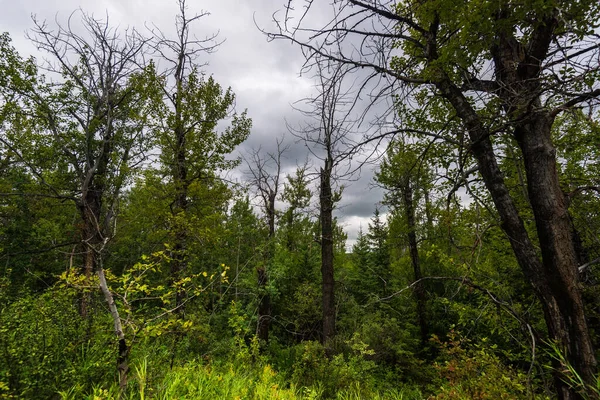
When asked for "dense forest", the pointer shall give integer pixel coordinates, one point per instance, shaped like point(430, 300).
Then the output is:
point(142, 256)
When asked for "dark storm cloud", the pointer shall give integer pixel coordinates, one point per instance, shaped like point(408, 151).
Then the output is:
point(360, 198)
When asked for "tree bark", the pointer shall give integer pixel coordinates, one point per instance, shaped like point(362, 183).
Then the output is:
point(264, 306)
point(566, 317)
point(326, 217)
point(271, 213)
point(93, 191)
point(90, 208)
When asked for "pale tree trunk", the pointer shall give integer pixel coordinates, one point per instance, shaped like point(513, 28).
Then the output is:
point(123, 354)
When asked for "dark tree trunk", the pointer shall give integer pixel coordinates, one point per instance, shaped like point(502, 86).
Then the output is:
point(179, 210)
point(566, 318)
point(90, 208)
point(264, 305)
point(420, 295)
point(123, 364)
point(326, 217)
point(271, 214)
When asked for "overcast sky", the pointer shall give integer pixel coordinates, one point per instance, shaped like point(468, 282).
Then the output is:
point(264, 75)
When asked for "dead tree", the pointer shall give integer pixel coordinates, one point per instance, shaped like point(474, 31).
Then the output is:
point(85, 118)
point(328, 135)
point(100, 93)
point(264, 172)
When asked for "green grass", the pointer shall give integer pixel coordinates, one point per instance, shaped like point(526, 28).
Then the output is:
point(196, 381)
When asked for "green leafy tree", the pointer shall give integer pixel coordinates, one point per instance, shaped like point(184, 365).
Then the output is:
point(296, 193)
point(405, 176)
point(363, 280)
point(295, 273)
point(377, 237)
point(194, 148)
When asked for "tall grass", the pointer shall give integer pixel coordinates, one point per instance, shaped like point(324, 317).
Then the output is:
point(571, 377)
point(195, 381)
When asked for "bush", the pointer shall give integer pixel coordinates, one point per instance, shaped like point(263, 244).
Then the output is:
point(46, 346)
point(473, 372)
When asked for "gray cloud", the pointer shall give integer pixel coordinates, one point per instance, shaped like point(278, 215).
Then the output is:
point(264, 76)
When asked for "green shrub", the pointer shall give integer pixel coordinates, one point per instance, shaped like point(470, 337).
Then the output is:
point(474, 372)
point(46, 346)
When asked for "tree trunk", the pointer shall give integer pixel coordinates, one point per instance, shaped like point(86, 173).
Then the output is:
point(264, 305)
point(89, 208)
point(271, 214)
point(90, 205)
point(326, 211)
point(179, 210)
point(420, 295)
point(566, 319)
point(123, 349)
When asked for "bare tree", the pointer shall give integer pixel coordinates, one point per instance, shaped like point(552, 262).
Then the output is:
point(265, 173)
point(328, 136)
point(98, 93)
point(512, 73)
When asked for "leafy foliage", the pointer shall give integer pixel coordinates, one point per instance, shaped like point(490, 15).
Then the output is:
point(178, 249)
